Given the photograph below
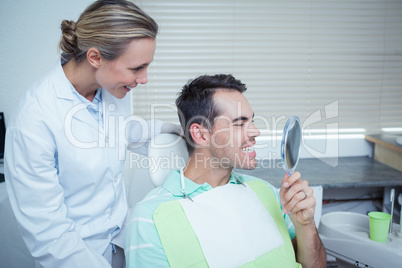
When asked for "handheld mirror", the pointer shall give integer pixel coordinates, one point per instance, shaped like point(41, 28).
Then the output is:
point(291, 143)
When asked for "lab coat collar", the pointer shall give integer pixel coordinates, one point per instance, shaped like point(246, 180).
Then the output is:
point(172, 184)
point(61, 83)
point(64, 90)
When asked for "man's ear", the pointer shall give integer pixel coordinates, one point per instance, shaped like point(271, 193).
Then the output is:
point(200, 135)
point(94, 57)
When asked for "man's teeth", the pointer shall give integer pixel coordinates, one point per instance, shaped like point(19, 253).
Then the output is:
point(130, 88)
point(247, 149)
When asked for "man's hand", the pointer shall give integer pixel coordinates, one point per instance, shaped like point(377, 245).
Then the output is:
point(297, 199)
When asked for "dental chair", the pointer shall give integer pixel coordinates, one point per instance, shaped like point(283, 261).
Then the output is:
point(144, 173)
point(166, 152)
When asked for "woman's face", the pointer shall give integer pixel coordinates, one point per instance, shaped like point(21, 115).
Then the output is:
point(119, 76)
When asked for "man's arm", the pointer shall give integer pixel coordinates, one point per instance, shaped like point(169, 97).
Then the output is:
point(142, 246)
point(298, 201)
point(309, 249)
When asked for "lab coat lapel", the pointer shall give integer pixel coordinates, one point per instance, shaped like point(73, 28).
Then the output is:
point(80, 112)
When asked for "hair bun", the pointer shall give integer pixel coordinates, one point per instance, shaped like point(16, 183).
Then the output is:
point(68, 42)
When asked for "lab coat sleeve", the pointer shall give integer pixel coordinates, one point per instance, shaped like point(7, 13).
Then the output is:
point(37, 200)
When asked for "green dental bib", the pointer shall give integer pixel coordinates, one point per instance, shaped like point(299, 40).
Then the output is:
point(183, 248)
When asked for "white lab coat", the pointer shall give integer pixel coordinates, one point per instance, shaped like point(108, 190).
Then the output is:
point(64, 173)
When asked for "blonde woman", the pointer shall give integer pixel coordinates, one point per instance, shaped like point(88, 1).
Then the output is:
point(66, 141)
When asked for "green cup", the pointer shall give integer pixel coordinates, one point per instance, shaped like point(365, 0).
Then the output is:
point(379, 226)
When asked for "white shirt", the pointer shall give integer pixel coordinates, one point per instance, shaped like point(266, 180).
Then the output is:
point(64, 172)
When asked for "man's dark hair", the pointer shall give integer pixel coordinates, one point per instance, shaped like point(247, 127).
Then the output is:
point(195, 103)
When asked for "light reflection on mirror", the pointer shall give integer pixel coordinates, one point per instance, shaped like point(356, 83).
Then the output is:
point(291, 143)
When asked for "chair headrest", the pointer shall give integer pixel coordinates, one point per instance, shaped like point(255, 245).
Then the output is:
point(166, 152)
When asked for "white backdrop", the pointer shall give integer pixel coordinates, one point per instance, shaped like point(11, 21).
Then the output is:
point(30, 32)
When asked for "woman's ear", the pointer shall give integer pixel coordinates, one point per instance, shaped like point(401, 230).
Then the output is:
point(200, 135)
point(94, 57)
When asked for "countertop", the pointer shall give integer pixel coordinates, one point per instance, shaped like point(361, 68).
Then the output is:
point(386, 140)
point(351, 172)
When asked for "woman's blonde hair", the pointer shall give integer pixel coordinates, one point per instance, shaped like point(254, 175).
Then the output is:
point(109, 26)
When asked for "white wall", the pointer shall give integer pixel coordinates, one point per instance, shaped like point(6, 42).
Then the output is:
point(30, 31)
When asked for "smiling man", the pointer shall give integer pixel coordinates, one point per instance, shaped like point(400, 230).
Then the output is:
point(205, 215)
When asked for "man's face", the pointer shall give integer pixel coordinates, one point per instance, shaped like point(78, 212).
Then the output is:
point(233, 133)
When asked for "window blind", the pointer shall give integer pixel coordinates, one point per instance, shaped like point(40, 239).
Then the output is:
point(329, 62)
